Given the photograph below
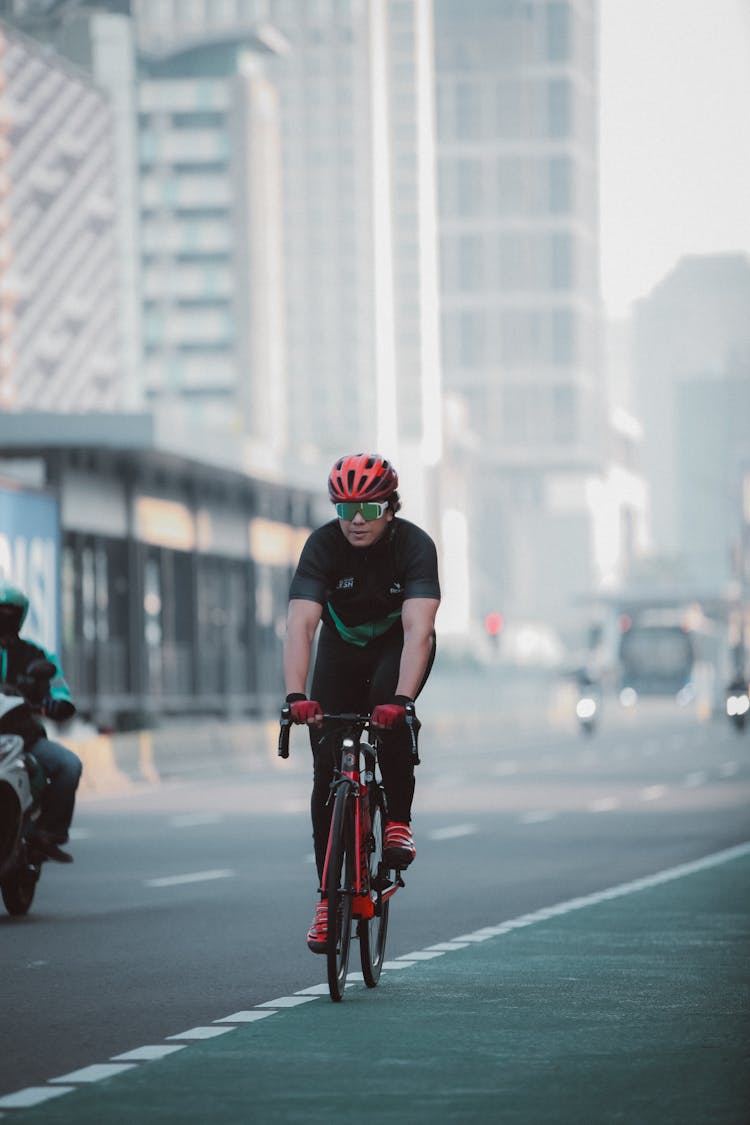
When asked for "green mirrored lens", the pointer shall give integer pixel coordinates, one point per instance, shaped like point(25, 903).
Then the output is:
point(369, 510)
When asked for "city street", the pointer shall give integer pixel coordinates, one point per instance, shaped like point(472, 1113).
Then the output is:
point(189, 900)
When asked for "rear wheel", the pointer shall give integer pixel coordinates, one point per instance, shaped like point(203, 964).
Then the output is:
point(342, 860)
point(372, 931)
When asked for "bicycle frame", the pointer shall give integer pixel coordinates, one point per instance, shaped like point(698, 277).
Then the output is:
point(358, 782)
point(349, 883)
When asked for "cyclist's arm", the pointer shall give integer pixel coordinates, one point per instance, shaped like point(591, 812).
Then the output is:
point(418, 619)
point(303, 619)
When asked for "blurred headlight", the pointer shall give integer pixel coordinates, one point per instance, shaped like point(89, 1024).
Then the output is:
point(586, 708)
point(737, 705)
point(628, 697)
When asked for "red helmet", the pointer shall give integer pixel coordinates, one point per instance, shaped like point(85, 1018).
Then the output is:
point(362, 476)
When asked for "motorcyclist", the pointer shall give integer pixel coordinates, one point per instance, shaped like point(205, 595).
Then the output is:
point(61, 766)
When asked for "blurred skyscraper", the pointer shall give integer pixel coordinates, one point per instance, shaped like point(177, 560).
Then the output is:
point(517, 148)
point(692, 384)
point(211, 228)
point(60, 314)
point(357, 196)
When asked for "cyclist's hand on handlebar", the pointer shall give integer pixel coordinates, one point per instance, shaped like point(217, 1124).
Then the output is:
point(304, 710)
point(390, 715)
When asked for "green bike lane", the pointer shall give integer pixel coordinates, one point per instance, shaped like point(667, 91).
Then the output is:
point(632, 1005)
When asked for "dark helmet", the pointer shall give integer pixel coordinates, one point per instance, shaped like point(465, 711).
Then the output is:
point(362, 476)
point(14, 605)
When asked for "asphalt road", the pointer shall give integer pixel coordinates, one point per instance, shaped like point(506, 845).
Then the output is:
point(191, 900)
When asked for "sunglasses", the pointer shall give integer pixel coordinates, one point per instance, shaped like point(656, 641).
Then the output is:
point(368, 509)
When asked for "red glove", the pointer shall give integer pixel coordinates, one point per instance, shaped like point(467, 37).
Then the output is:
point(304, 710)
point(390, 715)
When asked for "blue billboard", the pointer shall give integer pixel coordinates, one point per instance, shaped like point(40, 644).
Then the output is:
point(30, 558)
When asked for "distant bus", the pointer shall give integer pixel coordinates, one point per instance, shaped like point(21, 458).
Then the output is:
point(660, 652)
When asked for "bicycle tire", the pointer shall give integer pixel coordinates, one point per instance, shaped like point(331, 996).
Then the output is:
point(372, 932)
point(342, 860)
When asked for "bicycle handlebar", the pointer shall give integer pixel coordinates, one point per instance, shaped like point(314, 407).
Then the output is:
point(412, 723)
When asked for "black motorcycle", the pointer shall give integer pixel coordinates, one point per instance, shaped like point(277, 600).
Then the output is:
point(22, 782)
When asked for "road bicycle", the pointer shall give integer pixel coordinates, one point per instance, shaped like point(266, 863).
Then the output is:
point(356, 881)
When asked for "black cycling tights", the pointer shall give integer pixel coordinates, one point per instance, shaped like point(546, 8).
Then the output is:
point(349, 678)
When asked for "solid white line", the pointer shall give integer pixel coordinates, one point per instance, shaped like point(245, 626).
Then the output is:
point(313, 990)
point(94, 1073)
point(448, 946)
point(147, 1054)
point(201, 1033)
point(452, 832)
point(192, 877)
point(397, 964)
point(33, 1095)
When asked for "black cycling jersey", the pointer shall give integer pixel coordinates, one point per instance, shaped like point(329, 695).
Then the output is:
point(362, 589)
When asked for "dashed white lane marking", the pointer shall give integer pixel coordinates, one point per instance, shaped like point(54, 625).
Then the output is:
point(201, 1033)
point(191, 877)
point(94, 1073)
point(285, 1002)
point(422, 955)
point(245, 1017)
point(36, 1095)
point(194, 820)
point(452, 832)
point(653, 792)
point(728, 769)
point(148, 1053)
point(603, 804)
point(537, 816)
point(33, 1095)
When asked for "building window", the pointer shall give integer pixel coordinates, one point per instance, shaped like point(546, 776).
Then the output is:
point(469, 186)
point(468, 111)
point(558, 31)
point(561, 261)
point(471, 339)
point(560, 185)
point(564, 415)
point(563, 337)
point(471, 262)
point(559, 108)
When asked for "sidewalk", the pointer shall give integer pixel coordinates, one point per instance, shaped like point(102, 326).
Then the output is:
point(632, 1006)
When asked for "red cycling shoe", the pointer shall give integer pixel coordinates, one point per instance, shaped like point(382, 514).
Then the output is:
point(317, 935)
point(398, 845)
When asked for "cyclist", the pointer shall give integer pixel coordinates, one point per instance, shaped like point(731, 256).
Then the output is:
point(62, 766)
point(371, 578)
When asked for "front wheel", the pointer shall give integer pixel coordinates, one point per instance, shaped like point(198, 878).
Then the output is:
point(342, 860)
point(18, 888)
point(372, 931)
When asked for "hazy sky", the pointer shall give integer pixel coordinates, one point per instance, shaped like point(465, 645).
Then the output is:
point(675, 137)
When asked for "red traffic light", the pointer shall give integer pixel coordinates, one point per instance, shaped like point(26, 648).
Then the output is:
point(493, 623)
